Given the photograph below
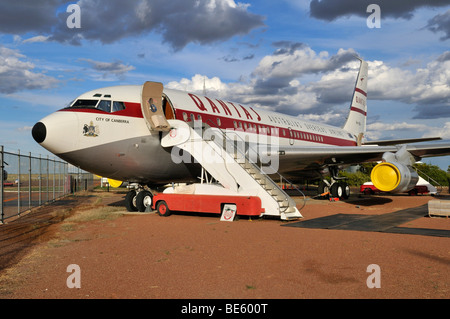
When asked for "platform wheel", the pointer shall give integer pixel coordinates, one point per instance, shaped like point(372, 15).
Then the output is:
point(144, 199)
point(130, 201)
point(162, 209)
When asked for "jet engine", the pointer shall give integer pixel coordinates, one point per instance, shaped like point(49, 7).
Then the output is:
point(394, 177)
point(395, 174)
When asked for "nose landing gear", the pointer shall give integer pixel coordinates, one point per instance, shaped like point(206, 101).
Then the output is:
point(138, 200)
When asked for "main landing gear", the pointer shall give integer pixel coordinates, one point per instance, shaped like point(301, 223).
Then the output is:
point(337, 188)
point(139, 200)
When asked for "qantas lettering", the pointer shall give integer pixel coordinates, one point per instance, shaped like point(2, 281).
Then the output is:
point(201, 106)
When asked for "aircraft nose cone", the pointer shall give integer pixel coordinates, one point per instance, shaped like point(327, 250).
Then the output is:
point(39, 132)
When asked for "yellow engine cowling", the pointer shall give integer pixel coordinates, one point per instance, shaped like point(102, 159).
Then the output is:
point(394, 177)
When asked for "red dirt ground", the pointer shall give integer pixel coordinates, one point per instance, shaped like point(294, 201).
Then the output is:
point(125, 255)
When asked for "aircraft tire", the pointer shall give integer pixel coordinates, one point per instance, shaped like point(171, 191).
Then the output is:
point(323, 188)
point(130, 201)
point(162, 209)
point(144, 199)
point(345, 190)
point(336, 190)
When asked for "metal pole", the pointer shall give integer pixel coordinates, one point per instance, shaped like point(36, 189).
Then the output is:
point(18, 184)
point(29, 180)
point(48, 185)
point(40, 180)
point(2, 169)
point(54, 186)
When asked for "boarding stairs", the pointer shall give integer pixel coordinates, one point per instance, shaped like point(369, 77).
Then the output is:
point(217, 152)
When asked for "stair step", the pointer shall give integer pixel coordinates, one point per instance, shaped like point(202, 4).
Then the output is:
point(278, 201)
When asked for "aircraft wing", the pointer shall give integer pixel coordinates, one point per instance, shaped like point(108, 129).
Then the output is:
point(348, 155)
point(403, 141)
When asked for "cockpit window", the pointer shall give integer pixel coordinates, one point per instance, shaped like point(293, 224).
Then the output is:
point(85, 103)
point(118, 106)
point(104, 105)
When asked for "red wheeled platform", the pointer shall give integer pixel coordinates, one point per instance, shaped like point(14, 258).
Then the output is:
point(167, 203)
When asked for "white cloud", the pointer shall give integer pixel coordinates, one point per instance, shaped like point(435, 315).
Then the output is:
point(116, 68)
point(199, 83)
point(295, 80)
point(38, 38)
point(16, 74)
point(403, 126)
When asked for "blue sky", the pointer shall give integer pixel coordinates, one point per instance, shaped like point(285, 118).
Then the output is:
point(294, 57)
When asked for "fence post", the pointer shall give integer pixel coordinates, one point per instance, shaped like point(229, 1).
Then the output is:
point(2, 169)
point(40, 180)
point(29, 180)
point(54, 181)
point(48, 177)
point(18, 183)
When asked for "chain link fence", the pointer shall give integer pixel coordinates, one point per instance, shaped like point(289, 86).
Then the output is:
point(28, 181)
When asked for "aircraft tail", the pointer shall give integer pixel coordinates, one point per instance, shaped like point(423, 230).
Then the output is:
point(356, 120)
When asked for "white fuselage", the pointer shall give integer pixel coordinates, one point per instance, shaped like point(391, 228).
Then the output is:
point(118, 144)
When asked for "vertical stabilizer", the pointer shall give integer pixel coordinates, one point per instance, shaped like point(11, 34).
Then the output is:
point(356, 120)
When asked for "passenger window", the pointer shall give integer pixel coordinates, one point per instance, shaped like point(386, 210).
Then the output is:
point(104, 106)
point(118, 106)
point(185, 117)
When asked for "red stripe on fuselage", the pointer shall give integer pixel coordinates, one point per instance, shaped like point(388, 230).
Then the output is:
point(222, 122)
point(261, 128)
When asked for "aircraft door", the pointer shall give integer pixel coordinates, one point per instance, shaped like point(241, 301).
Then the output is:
point(291, 136)
point(151, 105)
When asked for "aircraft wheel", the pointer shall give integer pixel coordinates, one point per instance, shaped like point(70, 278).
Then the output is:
point(130, 201)
point(144, 199)
point(345, 190)
point(336, 190)
point(323, 188)
point(163, 209)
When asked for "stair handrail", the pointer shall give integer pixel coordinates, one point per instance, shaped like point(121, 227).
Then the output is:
point(429, 178)
point(224, 136)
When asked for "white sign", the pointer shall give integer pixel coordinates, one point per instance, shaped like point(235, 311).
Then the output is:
point(228, 213)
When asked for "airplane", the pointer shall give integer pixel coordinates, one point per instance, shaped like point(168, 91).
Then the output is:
point(140, 134)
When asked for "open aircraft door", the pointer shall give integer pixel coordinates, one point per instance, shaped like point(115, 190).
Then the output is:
point(151, 105)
